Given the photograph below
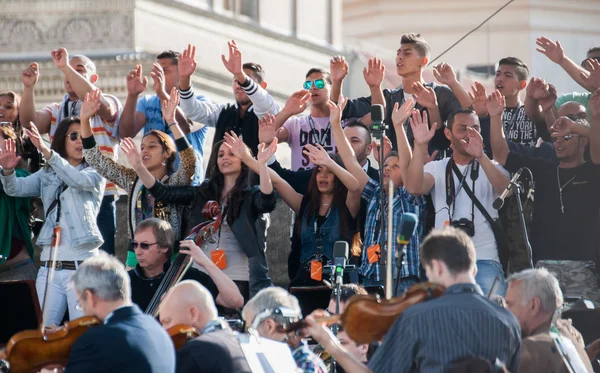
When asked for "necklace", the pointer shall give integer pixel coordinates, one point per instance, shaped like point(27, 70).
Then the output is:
point(561, 188)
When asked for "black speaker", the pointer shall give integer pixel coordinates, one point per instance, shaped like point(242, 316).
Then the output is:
point(20, 308)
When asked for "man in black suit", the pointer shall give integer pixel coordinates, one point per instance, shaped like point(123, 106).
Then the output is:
point(127, 340)
point(217, 349)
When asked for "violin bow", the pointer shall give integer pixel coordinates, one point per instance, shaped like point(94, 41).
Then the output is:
point(50, 275)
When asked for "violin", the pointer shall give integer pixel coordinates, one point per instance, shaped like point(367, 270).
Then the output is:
point(181, 334)
point(367, 318)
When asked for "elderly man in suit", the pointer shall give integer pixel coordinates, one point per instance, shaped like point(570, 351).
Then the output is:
point(534, 297)
point(128, 341)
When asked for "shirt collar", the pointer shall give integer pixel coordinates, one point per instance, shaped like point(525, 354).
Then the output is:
point(113, 312)
point(367, 165)
point(464, 288)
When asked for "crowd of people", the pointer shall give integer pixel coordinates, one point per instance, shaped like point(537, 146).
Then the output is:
point(446, 156)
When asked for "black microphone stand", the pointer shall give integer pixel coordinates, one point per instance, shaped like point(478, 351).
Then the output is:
point(399, 261)
point(516, 187)
point(378, 133)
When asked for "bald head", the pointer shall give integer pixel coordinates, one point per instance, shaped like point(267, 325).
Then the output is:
point(572, 108)
point(188, 303)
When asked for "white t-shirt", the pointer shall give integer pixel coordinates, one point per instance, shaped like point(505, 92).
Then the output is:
point(301, 133)
point(485, 244)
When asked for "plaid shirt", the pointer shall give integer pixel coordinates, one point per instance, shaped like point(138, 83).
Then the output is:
point(306, 360)
point(403, 202)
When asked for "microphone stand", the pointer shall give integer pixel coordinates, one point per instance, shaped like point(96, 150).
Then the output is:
point(517, 189)
point(378, 135)
point(399, 260)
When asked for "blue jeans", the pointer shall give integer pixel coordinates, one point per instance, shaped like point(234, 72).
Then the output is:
point(107, 223)
point(404, 284)
point(487, 271)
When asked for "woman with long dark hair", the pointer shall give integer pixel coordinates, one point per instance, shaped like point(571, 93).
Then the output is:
point(324, 215)
point(71, 193)
point(158, 156)
point(239, 249)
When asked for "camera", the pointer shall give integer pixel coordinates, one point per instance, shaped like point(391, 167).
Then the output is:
point(465, 225)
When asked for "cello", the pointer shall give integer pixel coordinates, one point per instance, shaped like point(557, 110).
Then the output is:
point(201, 234)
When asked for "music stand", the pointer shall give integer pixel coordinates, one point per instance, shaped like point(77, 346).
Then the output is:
point(20, 309)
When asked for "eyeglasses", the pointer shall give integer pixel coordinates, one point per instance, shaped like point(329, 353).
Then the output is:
point(566, 138)
point(584, 62)
point(319, 83)
point(143, 245)
point(73, 136)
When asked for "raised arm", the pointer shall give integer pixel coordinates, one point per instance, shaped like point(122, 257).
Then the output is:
point(229, 294)
point(591, 77)
point(374, 74)
point(17, 187)
point(416, 181)
point(338, 68)
point(399, 117)
point(595, 131)
point(474, 147)
point(445, 75)
point(27, 112)
point(478, 99)
point(495, 106)
point(426, 97)
point(264, 154)
point(132, 121)
point(135, 160)
point(241, 150)
point(294, 105)
point(187, 164)
point(555, 53)
point(81, 85)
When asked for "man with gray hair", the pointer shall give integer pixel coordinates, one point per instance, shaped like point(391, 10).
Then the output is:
point(127, 340)
point(268, 311)
point(535, 298)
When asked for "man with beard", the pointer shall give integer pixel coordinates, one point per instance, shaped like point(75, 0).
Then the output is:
point(566, 206)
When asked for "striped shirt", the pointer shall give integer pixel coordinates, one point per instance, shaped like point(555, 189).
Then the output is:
point(308, 361)
point(403, 202)
point(429, 336)
point(105, 132)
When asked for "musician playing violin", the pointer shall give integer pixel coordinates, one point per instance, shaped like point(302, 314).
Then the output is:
point(429, 336)
point(128, 341)
point(152, 244)
point(217, 349)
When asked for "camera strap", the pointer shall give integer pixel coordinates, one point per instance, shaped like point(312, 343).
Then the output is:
point(451, 191)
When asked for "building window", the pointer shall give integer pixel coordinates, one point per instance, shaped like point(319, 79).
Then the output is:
point(246, 8)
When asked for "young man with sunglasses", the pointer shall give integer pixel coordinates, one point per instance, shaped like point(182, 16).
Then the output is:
point(564, 235)
point(252, 101)
point(80, 78)
point(153, 246)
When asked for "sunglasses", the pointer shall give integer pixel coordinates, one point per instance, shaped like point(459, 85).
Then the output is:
point(566, 138)
point(6, 124)
point(319, 83)
point(583, 63)
point(73, 136)
point(143, 245)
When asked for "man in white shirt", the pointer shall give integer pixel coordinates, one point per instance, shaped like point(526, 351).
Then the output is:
point(450, 179)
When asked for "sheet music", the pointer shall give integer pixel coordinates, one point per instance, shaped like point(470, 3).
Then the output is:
point(267, 356)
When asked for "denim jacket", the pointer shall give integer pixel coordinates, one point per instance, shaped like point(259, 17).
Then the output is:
point(329, 233)
point(80, 202)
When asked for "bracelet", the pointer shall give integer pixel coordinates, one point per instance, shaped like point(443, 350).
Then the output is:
point(171, 124)
point(6, 172)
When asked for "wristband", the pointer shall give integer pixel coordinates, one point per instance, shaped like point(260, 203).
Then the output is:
point(6, 172)
point(171, 124)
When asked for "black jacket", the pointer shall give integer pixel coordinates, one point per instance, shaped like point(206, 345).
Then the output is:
point(250, 227)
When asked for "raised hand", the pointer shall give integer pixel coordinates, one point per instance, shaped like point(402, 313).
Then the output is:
point(158, 76)
point(563, 126)
point(266, 152)
point(317, 155)
point(336, 110)
point(387, 148)
point(60, 57)
point(547, 102)
point(495, 104)
point(444, 74)
point(170, 106)
point(36, 140)
point(420, 127)
point(401, 113)
point(595, 104)
point(475, 144)
point(266, 129)
point(234, 63)
point(237, 146)
point(374, 72)
point(592, 77)
point(478, 99)
point(186, 62)
point(30, 75)
point(136, 81)
point(338, 68)
point(190, 248)
point(91, 104)
point(553, 50)
point(296, 103)
point(8, 156)
point(425, 96)
point(131, 152)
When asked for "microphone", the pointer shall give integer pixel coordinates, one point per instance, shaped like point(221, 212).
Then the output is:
point(340, 257)
point(377, 125)
point(499, 202)
point(408, 226)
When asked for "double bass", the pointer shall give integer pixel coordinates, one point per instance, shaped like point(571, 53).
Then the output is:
point(201, 234)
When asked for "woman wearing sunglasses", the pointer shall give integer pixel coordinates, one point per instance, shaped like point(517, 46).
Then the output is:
point(239, 247)
point(16, 248)
point(157, 156)
point(324, 215)
point(71, 193)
